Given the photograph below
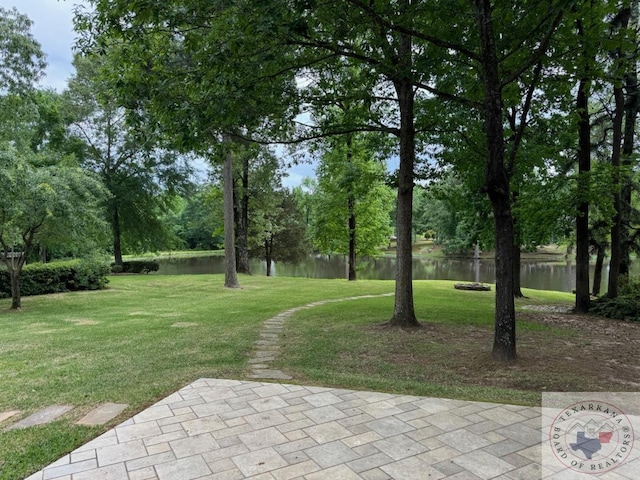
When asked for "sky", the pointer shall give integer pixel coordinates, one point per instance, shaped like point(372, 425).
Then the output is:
point(53, 29)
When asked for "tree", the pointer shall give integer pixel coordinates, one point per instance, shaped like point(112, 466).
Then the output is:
point(631, 112)
point(404, 53)
point(50, 128)
point(43, 203)
point(140, 174)
point(352, 201)
point(198, 221)
point(624, 77)
point(22, 63)
point(456, 212)
point(279, 231)
point(197, 71)
point(487, 57)
point(586, 66)
point(256, 172)
point(21, 58)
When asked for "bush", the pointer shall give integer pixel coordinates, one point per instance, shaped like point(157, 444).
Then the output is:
point(116, 268)
point(626, 306)
point(43, 278)
point(140, 266)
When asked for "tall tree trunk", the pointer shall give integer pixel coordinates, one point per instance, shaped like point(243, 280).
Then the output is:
point(597, 273)
point(404, 311)
point(230, 275)
point(352, 239)
point(117, 236)
point(351, 205)
point(583, 298)
point(14, 273)
point(631, 110)
point(14, 266)
point(517, 287)
point(498, 189)
point(242, 220)
point(268, 247)
point(616, 237)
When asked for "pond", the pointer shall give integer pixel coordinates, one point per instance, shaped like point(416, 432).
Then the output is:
point(541, 275)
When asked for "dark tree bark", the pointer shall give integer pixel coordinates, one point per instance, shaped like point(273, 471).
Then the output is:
point(517, 287)
point(498, 189)
point(351, 206)
point(16, 303)
point(242, 220)
point(404, 311)
point(352, 277)
point(230, 275)
point(597, 273)
point(583, 298)
point(620, 21)
point(268, 254)
point(117, 236)
point(616, 237)
point(14, 264)
point(631, 110)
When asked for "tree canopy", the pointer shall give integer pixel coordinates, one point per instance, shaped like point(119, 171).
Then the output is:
point(141, 175)
point(486, 87)
point(21, 59)
point(51, 204)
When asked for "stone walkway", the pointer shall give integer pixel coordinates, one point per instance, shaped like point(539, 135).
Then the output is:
point(227, 429)
point(267, 347)
point(217, 429)
point(98, 416)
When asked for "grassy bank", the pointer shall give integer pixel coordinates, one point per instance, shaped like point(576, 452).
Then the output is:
point(146, 336)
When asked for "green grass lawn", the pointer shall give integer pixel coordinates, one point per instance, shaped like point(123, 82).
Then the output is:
point(350, 347)
point(146, 336)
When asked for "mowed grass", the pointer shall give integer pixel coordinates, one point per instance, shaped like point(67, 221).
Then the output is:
point(134, 342)
point(348, 345)
point(146, 336)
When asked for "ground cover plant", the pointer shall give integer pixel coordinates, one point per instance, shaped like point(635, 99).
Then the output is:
point(146, 336)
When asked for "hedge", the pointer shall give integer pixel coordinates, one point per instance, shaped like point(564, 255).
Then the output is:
point(43, 278)
point(136, 266)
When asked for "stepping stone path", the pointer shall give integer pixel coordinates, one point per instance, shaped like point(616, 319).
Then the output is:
point(266, 349)
point(41, 417)
point(7, 415)
point(98, 416)
point(102, 414)
point(266, 352)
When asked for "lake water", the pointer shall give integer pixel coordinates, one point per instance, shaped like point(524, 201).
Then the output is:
point(541, 275)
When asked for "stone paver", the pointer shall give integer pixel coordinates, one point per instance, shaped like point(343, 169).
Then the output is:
point(102, 414)
point(8, 414)
point(266, 348)
point(231, 429)
point(40, 417)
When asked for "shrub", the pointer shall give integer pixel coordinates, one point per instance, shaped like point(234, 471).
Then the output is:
point(140, 266)
point(116, 268)
point(89, 275)
point(43, 278)
point(626, 306)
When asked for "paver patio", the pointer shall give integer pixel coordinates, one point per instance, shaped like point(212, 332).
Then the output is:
point(228, 429)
